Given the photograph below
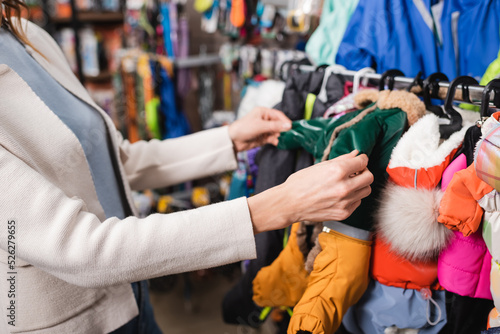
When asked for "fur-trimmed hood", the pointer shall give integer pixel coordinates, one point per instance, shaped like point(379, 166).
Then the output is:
point(409, 205)
point(421, 146)
point(389, 99)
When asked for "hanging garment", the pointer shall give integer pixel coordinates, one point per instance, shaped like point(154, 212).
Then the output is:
point(206, 94)
point(175, 123)
point(384, 309)
point(346, 104)
point(408, 237)
point(488, 152)
point(492, 72)
point(238, 307)
point(299, 87)
point(464, 203)
point(265, 94)
point(174, 28)
point(238, 13)
point(141, 112)
point(243, 178)
point(381, 34)
point(274, 168)
point(183, 75)
point(151, 101)
point(471, 36)
point(285, 280)
point(464, 266)
point(202, 6)
point(466, 315)
point(338, 280)
point(375, 133)
point(275, 164)
point(323, 44)
point(131, 106)
point(407, 215)
point(165, 23)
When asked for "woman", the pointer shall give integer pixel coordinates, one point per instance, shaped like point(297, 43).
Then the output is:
point(69, 240)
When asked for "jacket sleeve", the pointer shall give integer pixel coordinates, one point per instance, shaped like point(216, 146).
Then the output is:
point(381, 128)
point(366, 36)
point(304, 134)
point(58, 235)
point(160, 163)
point(459, 209)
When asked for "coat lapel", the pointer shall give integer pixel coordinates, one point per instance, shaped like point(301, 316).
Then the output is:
point(54, 62)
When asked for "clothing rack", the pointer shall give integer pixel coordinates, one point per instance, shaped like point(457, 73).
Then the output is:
point(475, 92)
point(197, 61)
point(187, 62)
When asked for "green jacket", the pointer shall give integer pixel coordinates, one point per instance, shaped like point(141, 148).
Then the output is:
point(375, 135)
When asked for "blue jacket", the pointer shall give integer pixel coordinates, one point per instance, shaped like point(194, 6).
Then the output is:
point(388, 34)
point(411, 35)
point(474, 33)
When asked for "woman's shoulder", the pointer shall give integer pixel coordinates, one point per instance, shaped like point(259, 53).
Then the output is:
point(42, 41)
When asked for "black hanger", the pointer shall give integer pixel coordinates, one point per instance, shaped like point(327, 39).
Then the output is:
point(321, 68)
point(431, 90)
point(389, 74)
point(446, 130)
point(293, 65)
point(493, 85)
point(417, 81)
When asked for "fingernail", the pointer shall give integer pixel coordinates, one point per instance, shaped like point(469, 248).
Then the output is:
point(286, 126)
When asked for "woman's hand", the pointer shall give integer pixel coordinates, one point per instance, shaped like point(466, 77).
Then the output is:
point(330, 190)
point(260, 126)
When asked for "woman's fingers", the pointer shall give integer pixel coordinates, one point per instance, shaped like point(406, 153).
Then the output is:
point(273, 114)
point(359, 194)
point(359, 180)
point(350, 164)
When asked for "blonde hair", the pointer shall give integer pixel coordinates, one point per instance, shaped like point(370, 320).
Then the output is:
point(14, 8)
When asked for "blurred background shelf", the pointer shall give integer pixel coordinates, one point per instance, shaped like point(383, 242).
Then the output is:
point(101, 77)
point(91, 17)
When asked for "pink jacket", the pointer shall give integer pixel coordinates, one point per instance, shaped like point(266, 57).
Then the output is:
point(464, 266)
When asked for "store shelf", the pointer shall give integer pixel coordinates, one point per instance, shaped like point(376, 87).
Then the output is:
point(101, 77)
point(92, 17)
point(197, 61)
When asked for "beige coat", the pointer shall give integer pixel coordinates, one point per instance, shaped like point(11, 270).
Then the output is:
point(74, 266)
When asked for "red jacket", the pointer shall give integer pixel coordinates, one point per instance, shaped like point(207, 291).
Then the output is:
point(409, 237)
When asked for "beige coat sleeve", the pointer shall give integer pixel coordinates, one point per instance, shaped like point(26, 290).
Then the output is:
point(58, 235)
point(156, 163)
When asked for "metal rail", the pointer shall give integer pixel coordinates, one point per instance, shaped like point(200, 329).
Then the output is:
point(475, 92)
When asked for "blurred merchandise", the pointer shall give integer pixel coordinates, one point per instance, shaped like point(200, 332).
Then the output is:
point(66, 39)
point(89, 52)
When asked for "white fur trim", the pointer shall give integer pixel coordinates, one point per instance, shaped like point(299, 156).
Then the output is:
point(469, 117)
point(420, 148)
point(407, 220)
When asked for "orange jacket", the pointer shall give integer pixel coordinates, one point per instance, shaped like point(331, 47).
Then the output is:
point(459, 208)
point(408, 237)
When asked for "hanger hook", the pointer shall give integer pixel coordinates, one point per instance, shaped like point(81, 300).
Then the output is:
point(447, 130)
point(493, 85)
point(389, 74)
point(417, 81)
point(332, 69)
point(430, 89)
point(357, 78)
